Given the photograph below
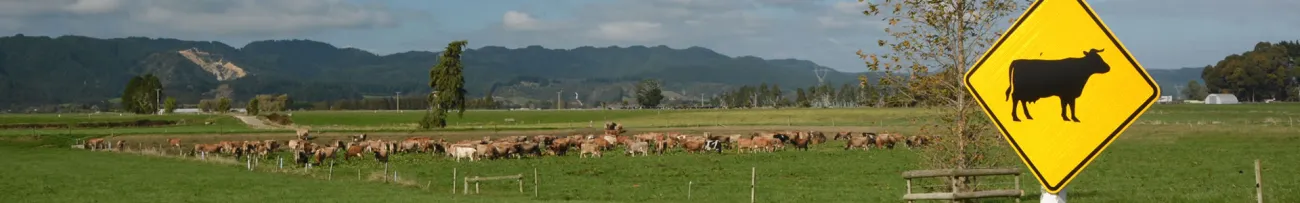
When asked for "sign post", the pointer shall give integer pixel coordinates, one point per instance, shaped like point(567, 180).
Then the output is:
point(1060, 88)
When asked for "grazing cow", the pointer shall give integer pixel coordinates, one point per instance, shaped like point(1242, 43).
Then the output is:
point(530, 148)
point(120, 145)
point(887, 140)
point(506, 149)
point(843, 135)
point(589, 147)
point(95, 144)
point(858, 142)
point(1033, 79)
point(746, 143)
point(485, 151)
point(917, 141)
point(818, 137)
point(303, 153)
point(462, 151)
point(612, 128)
point(297, 144)
point(359, 137)
point(174, 142)
point(715, 143)
point(559, 146)
point(325, 153)
point(353, 150)
point(205, 149)
point(382, 150)
point(411, 145)
point(635, 147)
point(801, 142)
point(304, 134)
point(694, 145)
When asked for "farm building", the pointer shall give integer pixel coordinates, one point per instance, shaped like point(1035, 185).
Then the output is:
point(1221, 99)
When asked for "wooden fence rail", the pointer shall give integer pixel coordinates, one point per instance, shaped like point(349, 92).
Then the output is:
point(954, 175)
point(517, 177)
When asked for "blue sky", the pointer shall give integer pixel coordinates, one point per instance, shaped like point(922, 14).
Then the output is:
point(1160, 33)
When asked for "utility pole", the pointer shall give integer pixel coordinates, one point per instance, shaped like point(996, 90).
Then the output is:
point(398, 97)
point(157, 96)
point(559, 100)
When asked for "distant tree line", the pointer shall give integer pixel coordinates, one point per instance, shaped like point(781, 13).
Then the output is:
point(1269, 71)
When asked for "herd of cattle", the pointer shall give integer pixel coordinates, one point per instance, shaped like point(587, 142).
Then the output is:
point(304, 150)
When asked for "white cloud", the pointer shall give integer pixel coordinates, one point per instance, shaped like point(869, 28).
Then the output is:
point(253, 16)
point(93, 6)
point(515, 20)
point(214, 17)
point(629, 31)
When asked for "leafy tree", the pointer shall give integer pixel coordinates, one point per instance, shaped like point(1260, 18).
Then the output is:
point(129, 95)
point(1265, 72)
point(282, 102)
point(1195, 91)
point(223, 105)
point(933, 44)
point(141, 94)
point(207, 105)
point(774, 95)
point(448, 86)
point(648, 93)
point(253, 107)
point(169, 105)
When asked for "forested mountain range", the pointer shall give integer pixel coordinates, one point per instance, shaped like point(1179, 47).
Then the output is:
point(43, 70)
point(38, 70)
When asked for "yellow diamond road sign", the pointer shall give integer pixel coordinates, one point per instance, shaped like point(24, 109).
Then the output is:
point(1061, 88)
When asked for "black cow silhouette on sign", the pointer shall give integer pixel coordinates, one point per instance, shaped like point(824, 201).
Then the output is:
point(1033, 79)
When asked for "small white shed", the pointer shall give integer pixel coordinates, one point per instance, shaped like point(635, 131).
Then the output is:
point(1221, 99)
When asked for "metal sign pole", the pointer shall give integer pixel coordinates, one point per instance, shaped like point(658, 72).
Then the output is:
point(1048, 197)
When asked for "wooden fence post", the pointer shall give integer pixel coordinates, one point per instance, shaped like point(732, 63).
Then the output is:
point(466, 185)
point(1259, 185)
point(331, 176)
point(385, 176)
point(453, 181)
point(521, 183)
point(358, 174)
point(753, 173)
point(535, 182)
point(688, 189)
point(281, 160)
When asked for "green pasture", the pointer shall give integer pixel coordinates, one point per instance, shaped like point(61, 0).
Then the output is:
point(1175, 153)
point(188, 124)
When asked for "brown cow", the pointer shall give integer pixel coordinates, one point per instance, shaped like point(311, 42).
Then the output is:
point(887, 140)
point(694, 145)
point(817, 137)
point(304, 134)
point(589, 147)
point(857, 142)
point(200, 149)
point(530, 149)
point(485, 151)
point(95, 144)
point(353, 150)
point(120, 145)
point(801, 141)
point(559, 146)
point(174, 142)
point(917, 141)
point(506, 149)
point(325, 153)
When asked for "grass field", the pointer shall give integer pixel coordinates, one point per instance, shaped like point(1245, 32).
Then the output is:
point(1175, 153)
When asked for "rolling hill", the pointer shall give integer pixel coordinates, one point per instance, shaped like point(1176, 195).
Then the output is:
point(42, 70)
